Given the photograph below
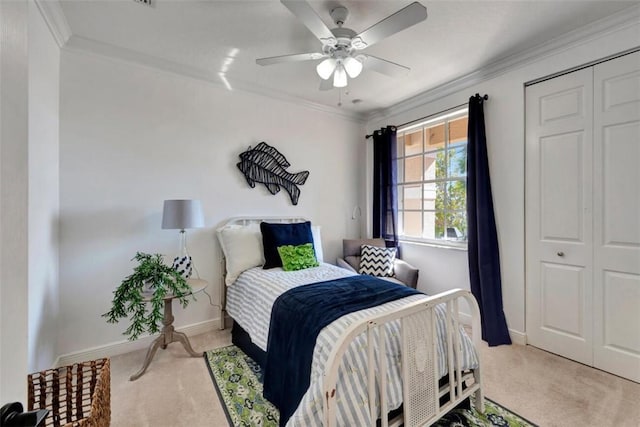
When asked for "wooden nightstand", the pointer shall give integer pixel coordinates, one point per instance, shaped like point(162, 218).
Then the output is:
point(168, 333)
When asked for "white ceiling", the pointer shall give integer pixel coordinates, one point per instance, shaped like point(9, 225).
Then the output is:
point(457, 38)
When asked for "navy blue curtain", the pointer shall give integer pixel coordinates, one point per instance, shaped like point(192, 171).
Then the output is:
point(484, 255)
point(385, 189)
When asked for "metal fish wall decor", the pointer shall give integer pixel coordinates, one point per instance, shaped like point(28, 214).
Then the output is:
point(266, 165)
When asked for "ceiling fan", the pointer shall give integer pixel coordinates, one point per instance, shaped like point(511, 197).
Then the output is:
point(341, 46)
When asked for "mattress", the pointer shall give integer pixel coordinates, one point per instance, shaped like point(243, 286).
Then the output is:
point(249, 302)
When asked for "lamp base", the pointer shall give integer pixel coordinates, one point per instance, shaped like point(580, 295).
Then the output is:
point(183, 265)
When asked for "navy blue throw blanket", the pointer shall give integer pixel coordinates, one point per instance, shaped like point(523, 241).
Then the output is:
point(297, 318)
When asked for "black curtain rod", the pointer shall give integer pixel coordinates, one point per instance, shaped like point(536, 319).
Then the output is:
point(381, 130)
point(484, 97)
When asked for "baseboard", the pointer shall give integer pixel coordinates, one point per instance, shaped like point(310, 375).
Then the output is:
point(517, 337)
point(125, 346)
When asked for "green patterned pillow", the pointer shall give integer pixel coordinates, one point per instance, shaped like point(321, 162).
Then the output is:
point(297, 257)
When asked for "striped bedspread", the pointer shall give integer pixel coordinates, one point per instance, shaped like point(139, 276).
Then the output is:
point(249, 302)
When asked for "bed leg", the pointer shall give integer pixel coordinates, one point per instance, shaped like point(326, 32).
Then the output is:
point(479, 394)
point(222, 325)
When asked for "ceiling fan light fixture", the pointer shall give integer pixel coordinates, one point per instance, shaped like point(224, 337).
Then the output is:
point(325, 68)
point(340, 77)
point(353, 67)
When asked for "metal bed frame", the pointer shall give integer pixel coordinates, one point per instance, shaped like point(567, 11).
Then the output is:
point(422, 391)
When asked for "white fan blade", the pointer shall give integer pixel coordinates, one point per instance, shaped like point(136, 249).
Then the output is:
point(326, 84)
point(402, 19)
point(385, 67)
point(310, 19)
point(290, 58)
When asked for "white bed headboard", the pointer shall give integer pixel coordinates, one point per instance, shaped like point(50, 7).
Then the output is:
point(244, 220)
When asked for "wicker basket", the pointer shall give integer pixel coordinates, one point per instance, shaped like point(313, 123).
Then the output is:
point(76, 396)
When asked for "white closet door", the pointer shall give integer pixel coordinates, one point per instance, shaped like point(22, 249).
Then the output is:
point(558, 215)
point(616, 175)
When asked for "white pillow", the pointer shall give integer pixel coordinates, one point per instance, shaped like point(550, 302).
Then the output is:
point(317, 243)
point(242, 247)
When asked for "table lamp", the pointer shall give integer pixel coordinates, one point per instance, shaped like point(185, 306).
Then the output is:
point(181, 215)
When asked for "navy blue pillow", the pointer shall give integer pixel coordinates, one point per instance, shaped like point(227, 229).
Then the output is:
point(275, 235)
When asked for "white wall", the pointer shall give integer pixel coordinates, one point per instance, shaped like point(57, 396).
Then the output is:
point(13, 201)
point(504, 119)
point(132, 136)
point(44, 84)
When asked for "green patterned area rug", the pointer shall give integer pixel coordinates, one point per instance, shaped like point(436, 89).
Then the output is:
point(238, 380)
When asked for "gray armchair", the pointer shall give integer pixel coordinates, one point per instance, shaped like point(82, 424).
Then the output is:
point(405, 274)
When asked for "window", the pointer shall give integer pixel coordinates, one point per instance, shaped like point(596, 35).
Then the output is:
point(432, 178)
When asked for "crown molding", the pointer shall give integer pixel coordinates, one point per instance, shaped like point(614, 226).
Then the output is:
point(617, 22)
point(51, 11)
point(83, 45)
point(53, 14)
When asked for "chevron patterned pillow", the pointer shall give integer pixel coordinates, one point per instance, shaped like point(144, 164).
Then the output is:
point(376, 261)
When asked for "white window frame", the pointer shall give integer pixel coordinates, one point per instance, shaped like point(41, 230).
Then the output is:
point(444, 117)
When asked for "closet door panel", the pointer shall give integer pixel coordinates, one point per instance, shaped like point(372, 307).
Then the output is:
point(562, 287)
point(558, 215)
point(616, 172)
point(621, 300)
point(561, 186)
point(621, 184)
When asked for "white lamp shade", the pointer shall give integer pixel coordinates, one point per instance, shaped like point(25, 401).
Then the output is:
point(353, 67)
point(182, 214)
point(340, 77)
point(325, 68)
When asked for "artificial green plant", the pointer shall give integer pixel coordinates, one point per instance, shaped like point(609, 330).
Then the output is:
point(128, 298)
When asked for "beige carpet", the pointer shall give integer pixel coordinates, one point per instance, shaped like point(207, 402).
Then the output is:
point(548, 390)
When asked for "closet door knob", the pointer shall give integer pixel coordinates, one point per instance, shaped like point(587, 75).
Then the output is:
point(560, 254)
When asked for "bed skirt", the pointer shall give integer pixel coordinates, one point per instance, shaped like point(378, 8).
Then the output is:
point(241, 339)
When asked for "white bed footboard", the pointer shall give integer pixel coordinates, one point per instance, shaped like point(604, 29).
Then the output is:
point(420, 377)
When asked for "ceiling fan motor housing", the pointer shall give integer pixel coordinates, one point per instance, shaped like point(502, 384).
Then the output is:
point(343, 39)
point(343, 35)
